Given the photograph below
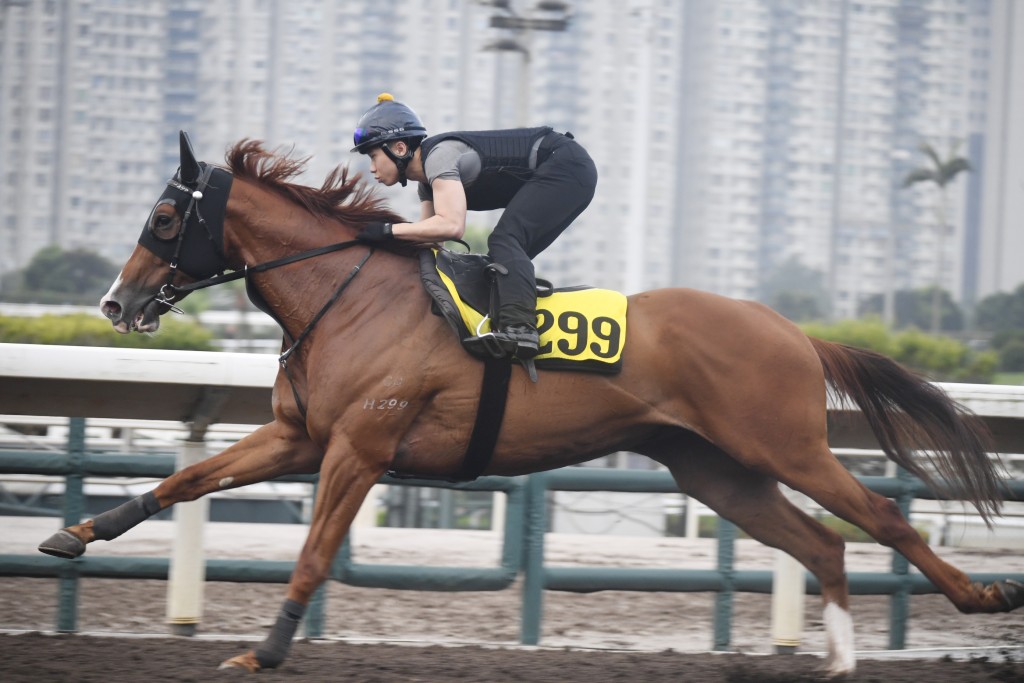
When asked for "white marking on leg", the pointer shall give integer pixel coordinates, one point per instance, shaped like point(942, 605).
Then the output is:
point(226, 482)
point(839, 634)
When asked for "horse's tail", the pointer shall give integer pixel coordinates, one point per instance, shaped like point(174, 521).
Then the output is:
point(906, 411)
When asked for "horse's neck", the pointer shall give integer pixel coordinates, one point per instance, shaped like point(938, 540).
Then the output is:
point(261, 227)
point(266, 228)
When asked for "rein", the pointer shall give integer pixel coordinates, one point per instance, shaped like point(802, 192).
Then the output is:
point(239, 274)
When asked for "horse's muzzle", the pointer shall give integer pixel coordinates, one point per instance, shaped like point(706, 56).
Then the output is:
point(146, 319)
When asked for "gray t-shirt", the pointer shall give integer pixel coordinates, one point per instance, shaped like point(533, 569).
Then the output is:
point(451, 160)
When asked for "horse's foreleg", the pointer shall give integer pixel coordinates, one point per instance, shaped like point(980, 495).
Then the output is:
point(345, 480)
point(754, 503)
point(271, 451)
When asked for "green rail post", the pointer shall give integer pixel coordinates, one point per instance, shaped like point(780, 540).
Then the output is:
point(314, 620)
point(723, 599)
point(315, 612)
point(536, 518)
point(74, 508)
point(899, 603)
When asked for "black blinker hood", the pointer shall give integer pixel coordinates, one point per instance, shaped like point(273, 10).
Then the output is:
point(199, 247)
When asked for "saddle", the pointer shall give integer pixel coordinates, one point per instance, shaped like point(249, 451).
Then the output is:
point(581, 328)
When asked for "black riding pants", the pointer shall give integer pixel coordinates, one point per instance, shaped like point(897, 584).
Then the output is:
point(559, 190)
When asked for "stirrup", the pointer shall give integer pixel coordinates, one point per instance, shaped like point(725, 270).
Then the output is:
point(488, 343)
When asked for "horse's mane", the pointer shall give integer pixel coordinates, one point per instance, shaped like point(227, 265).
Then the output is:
point(343, 197)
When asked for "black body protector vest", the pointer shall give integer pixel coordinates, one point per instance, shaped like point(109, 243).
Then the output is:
point(504, 162)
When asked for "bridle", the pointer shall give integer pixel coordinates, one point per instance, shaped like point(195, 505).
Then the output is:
point(187, 252)
point(168, 293)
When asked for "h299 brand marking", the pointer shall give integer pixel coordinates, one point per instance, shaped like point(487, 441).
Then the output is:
point(384, 404)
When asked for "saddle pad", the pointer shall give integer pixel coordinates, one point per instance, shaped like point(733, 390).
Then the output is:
point(581, 328)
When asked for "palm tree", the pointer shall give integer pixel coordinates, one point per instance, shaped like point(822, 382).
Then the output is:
point(941, 173)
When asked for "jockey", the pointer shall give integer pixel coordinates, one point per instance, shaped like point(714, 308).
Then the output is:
point(542, 179)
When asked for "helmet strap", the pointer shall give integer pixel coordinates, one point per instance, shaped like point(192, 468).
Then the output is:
point(400, 161)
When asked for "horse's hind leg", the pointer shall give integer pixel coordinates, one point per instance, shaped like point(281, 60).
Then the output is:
point(824, 479)
point(754, 503)
point(271, 451)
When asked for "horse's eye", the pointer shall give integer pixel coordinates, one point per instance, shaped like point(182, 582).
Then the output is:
point(163, 223)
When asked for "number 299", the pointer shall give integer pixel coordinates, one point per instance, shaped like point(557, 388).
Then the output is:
point(575, 333)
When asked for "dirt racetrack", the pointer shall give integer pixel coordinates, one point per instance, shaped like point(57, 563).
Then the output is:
point(40, 658)
point(393, 635)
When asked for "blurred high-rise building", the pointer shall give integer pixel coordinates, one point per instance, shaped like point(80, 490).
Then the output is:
point(81, 116)
point(996, 193)
point(740, 143)
point(800, 121)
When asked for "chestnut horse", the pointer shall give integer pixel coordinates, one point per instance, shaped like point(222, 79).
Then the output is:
point(726, 394)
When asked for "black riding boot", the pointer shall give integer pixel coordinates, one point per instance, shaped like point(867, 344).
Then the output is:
point(517, 319)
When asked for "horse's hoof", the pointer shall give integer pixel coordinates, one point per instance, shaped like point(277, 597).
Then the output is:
point(832, 674)
point(837, 670)
point(1012, 593)
point(246, 662)
point(64, 545)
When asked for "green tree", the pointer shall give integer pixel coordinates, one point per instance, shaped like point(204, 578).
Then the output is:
point(798, 306)
point(796, 291)
point(940, 358)
point(1011, 356)
point(913, 308)
point(1009, 344)
point(940, 173)
point(1001, 311)
point(866, 334)
point(1003, 337)
point(57, 276)
point(78, 270)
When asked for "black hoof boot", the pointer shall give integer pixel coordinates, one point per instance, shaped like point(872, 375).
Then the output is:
point(1012, 592)
point(64, 545)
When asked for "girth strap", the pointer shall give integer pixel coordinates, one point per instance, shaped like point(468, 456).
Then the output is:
point(489, 415)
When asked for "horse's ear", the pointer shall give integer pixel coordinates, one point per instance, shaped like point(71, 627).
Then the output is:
point(189, 166)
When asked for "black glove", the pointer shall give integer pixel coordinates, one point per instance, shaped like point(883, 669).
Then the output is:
point(376, 232)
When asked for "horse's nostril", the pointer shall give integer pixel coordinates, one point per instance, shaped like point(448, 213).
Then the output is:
point(111, 309)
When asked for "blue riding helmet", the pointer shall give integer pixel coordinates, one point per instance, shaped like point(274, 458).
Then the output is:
point(385, 121)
